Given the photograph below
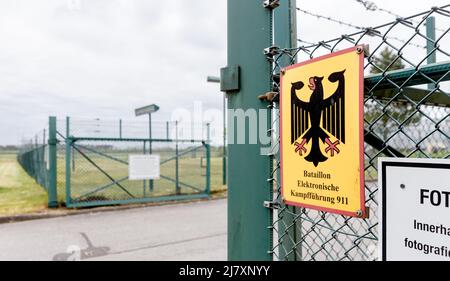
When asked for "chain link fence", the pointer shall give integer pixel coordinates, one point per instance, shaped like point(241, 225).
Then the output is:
point(33, 157)
point(99, 171)
point(407, 112)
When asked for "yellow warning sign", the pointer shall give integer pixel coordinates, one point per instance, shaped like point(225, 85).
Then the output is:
point(322, 143)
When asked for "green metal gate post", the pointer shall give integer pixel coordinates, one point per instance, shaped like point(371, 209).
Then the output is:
point(52, 159)
point(68, 154)
point(208, 168)
point(249, 33)
point(208, 160)
point(285, 36)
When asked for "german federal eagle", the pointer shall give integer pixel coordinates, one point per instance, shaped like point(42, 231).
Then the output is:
point(307, 117)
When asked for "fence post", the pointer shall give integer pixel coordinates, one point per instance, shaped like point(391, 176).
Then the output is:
point(208, 168)
point(150, 182)
point(430, 24)
point(249, 33)
point(208, 160)
point(167, 129)
point(177, 186)
point(120, 128)
point(431, 40)
point(285, 36)
point(52, 159)
point(68, 154)
point(224, 149)
point(144, 182)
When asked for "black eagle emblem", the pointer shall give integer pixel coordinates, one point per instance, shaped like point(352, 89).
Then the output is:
point(306, 118)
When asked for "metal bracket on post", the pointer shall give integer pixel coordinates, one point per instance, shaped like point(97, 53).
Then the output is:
point(229, 78)
point(271, 4)
point(269, 96)
point(271, 51)
point(52, 141)
point(271, 204)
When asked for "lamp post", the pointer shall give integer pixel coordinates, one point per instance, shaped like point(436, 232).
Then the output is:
point(149, 109)
point(215, 79)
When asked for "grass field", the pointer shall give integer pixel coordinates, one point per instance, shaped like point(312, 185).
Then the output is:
point(19, 193)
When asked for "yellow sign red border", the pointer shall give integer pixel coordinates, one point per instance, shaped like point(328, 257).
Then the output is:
point(362, 209)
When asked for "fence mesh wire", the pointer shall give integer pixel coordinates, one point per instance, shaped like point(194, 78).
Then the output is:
point(33, 157)
point(407, 115)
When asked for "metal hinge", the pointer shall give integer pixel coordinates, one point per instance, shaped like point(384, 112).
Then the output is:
point(271, 4)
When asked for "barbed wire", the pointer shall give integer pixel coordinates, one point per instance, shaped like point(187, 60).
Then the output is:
point(306, 42)
point(328, 18)
point(318, 16)
point(371, 6)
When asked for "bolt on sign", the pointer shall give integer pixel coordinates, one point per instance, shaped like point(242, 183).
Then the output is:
point(322, 143)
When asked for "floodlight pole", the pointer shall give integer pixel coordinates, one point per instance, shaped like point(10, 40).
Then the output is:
point(149, 109)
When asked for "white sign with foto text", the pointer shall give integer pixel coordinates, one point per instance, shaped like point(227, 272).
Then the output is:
point(414, 209)
point(143, 167)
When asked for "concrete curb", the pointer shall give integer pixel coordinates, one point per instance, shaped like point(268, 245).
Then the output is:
point(66, 212)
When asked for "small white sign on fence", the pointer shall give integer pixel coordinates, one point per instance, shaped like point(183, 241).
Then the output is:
point(414, 209)
point(143, 167)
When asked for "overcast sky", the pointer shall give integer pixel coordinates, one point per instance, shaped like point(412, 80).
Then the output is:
point(103, 58)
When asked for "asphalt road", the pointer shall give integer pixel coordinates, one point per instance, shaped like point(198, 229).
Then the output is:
point(190, 231)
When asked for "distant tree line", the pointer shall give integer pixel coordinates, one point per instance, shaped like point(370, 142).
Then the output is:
point(8, 147)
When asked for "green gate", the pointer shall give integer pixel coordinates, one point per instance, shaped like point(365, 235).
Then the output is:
point(84, 163)
point(97, 171)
